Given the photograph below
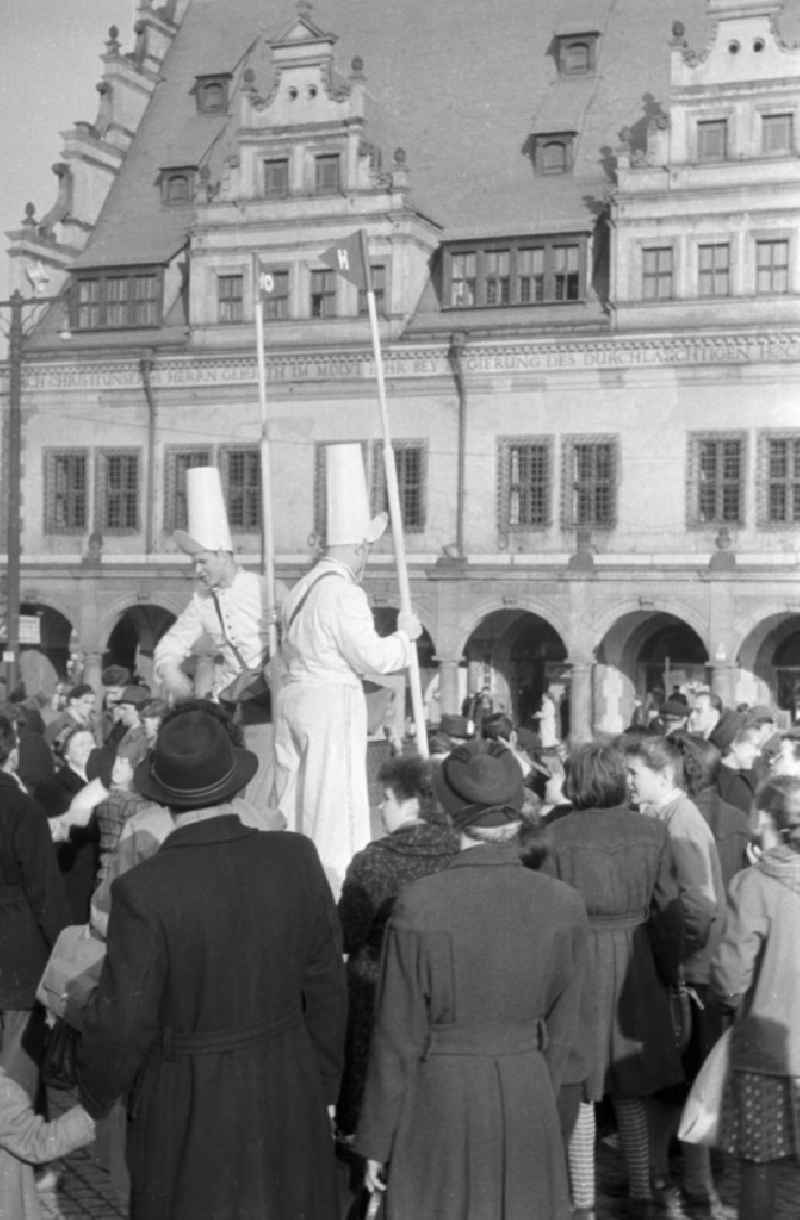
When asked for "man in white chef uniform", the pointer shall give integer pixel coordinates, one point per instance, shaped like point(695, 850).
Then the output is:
point(328, 642)
point(228, 608)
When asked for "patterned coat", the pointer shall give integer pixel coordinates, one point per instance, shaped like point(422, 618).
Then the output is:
point(222, 1006)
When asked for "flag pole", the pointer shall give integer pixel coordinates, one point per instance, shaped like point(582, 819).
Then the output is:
point(393, 495)
point(267, 540)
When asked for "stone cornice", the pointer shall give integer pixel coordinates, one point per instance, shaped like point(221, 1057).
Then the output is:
point(405, 361)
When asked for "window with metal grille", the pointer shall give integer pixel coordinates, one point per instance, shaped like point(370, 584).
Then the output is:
point(712, 140)
point(378, 275)
point(713, 271)
point(566, 273)
point(230, 298)
point(176, 466)
point(590, 482)
point(515, 273)
point(777, 133)
point(720, 480)
point(119, 491)
point(66, 491)
point(525, 473)
point(657, 273)
point(409, 462)
point(117, 300)
point(323, 294)
point(276, 178)
point(243, 488)
point(326, 173)
point(772, 266)
point(783, 480)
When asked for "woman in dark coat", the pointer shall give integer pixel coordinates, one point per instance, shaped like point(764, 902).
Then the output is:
point(621, 864)
point(79, 854)
point(418, 842)
point(477, 1009)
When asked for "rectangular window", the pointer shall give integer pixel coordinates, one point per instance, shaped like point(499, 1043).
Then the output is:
point(783, 480)
point(230, 298)
point(777, 133)
point(713, 270)
point(378, 276)
point(243, 488)
point(118, 491)
point(275, 294)
point(772, 266)
point(117, 300)
point(176, 466)
point(66, 491)
point(515, 273)
point(719, 490)
point(276, 178)
point(592, 481)
point(525, 472)
point(530, 275)
point(566, 273)
point(409, 462)
point(498, 277)
point(323, 294)
point(657, 273)
point(326, 174)
point(712, 140)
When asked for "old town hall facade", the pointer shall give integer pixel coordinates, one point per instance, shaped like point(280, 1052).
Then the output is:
point(584, 232)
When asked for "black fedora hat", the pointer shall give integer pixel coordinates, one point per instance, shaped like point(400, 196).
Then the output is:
point(480, 783)
point(194, 763)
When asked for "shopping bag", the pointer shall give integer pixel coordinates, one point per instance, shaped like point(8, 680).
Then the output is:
point(74, 968)
point(700, 1119)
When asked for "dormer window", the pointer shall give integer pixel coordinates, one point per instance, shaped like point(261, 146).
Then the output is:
point(553, 152)
point(577, 53)
point(211, 93)
point(177, 185)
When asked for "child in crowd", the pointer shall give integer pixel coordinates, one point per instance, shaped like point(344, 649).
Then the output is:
point(756, 970)
point(27, 1140)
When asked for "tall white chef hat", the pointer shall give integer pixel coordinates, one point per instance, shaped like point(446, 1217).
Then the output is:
point(348, 520)
point(208, 528)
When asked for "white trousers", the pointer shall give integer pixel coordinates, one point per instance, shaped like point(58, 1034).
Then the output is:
point(321, 770)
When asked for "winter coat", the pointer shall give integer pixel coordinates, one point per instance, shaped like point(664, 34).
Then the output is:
point(699, 876)
point(736, 787)
point(222, 1006)
point(373, 880)
point(33, 904)
point(27, 1140)
point(757, 960)
point(730, 827)
point(79, 855)
point(621, 864)
point(477, 1010)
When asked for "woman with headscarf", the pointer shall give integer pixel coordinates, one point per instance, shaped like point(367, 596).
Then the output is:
point(477, 1011)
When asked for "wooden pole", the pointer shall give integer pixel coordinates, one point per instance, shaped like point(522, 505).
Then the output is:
point(267, 539)
point(393, 494)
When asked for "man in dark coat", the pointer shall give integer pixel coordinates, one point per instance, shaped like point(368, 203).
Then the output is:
point(221, 1006)
point(33, 908)
point(477, 1012)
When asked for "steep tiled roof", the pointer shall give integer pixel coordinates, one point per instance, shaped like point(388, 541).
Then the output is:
point(462, 84)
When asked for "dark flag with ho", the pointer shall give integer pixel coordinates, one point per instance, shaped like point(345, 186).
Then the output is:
point(349, 258)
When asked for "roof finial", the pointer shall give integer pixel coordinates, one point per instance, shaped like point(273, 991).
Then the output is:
point(304, 7)
point(113, 40)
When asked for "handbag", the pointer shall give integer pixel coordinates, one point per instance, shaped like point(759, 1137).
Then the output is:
point(700, 1120)
point(73, 969)
point(249, 686)
point(58, 1066)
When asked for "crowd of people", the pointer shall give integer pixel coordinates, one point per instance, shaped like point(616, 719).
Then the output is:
point(541, 937)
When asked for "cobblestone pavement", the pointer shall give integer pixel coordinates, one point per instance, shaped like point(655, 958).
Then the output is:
point(84, 1189)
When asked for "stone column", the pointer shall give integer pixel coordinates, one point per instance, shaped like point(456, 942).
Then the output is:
point(580, 701)
point(723, 682)
point(92, 673)
point(449, 700)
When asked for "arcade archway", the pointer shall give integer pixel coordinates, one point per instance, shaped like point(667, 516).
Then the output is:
point(134, 637)
point(518, 655)
point(769, 664)
point(46, 652)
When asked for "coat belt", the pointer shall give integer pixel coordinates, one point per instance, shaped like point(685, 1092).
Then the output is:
point(216, 1041)
point(618, 923)
point(488, 1041)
